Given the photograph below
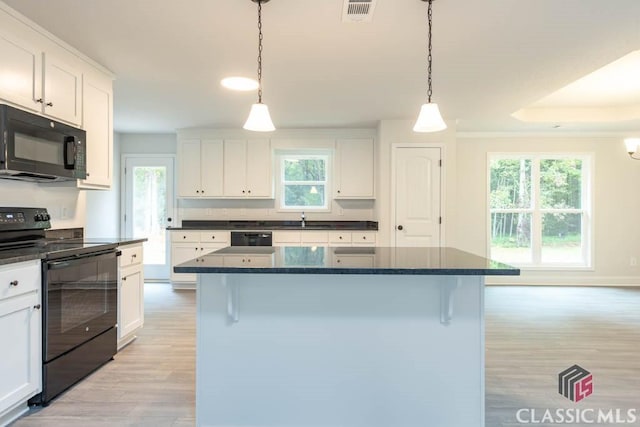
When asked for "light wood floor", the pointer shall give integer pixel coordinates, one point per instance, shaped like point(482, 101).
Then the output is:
point(532, 333)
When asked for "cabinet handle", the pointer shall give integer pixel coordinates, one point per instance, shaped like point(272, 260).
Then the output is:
point(338, 261)
point(338, 191)
point(40, 101)
point(202, 191)
point(243, 191)
point(202, 249)
point(134, 256)
point(340, 237)
point(249, 191)
point(88, 174)
point(184, 237)
point(400, 227)
point(364, 237)
point(37, 307)
point(49, 104)
point(124, 279)
point(213, 237)
point(198, 191)
point(14, 283)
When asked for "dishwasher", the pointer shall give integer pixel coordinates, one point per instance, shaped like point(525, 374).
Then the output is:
point(251, 238)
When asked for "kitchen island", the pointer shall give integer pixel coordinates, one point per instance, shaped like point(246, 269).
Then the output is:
point(330, 336)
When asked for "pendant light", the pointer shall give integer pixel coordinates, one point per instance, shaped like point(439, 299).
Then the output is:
point(429, 119)
point(259, 119)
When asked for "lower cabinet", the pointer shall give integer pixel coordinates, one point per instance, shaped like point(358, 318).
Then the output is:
point(248, 261)
point(324, 238)
point(21, 337)
point(188, 245)
point(130, 293)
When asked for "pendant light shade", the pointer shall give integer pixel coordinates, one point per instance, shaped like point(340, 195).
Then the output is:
point(259, 118)
point(429, 119)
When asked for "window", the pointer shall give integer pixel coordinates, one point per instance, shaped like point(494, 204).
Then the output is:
point(303, 181)
point(540, 210)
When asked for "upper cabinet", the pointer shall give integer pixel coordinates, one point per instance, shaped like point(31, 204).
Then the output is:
point(60, 96)
point(247, 169)
point(38, 81)
point(20, 72)
point(354, 169)
point(200, 169)
point(97, 121)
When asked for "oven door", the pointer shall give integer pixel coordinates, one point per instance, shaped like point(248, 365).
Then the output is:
point(80, 296)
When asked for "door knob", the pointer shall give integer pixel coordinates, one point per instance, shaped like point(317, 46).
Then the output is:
point(169, 219)
point(400, 227)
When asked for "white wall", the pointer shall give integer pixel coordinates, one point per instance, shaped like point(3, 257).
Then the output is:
point(65, 203)
point(103, 206)
point(616, 204)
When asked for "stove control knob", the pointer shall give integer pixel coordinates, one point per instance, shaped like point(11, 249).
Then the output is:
point(46, 217)
point(38, 217)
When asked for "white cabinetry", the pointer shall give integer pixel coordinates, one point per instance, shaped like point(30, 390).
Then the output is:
point(20, 71)
point(130, 293)
point(42, 74)
point(247, 169)
point(188, 245)
point(354, 169)
point(21, 337)
point(200, 169)
point(97, 121)
point(248, 261)
point(61, 90)
point(324, 238)
point(38, 81)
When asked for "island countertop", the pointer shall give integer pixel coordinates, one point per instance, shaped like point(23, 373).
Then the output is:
point(345, 260)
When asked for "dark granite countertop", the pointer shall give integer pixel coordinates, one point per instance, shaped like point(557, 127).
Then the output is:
point(27, 254)
point(277, 225)
point(345, 260)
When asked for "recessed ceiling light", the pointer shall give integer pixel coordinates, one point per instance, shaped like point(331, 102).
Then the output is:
point(239, 83)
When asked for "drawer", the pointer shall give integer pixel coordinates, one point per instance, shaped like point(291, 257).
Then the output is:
point(214, 236)
point(185, 236)
point(321, 237)
point(363, 238)
point(20, 278)
point(286, 237)
point(339, 238)
point(131, 255)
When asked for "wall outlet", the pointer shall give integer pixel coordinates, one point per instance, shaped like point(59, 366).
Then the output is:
point(633, 261)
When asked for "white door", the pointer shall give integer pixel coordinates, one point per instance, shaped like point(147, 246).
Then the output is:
point(416, 187)
point(149, 209)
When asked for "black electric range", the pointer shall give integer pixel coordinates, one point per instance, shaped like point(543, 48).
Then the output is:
point(79, 298)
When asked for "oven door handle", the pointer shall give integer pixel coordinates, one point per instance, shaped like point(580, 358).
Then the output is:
point(79, 259)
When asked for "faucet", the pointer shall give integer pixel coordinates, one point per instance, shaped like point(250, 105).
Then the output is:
point(302, 218)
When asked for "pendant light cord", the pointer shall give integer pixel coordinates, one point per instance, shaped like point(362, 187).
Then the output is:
point(429, 56)
point(259, 52)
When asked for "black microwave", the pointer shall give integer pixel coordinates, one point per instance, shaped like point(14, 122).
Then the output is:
point(35, 148)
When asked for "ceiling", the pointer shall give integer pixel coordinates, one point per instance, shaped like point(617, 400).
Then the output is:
point(491, 58)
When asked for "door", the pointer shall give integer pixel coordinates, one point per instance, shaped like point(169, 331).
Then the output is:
point(149, 209)
point(416, 188)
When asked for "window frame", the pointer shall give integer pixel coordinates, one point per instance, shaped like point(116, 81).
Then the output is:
point(282, 156)
point(537, 212)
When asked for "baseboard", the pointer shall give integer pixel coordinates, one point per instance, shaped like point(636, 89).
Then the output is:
point(13, 413)
point(183, 286)
point(596, 281)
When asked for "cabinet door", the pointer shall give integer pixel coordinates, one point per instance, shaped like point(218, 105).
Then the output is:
point(97, 121)
point(286, 238)
point(21, 71)
point(235, 168)
point(354, 261)
point(189, 168)
point(259, 178)
point(182, 253)
point(354, 169)
point(211, 170)
point(21, 351)
point(131, 310)
point(61, 91)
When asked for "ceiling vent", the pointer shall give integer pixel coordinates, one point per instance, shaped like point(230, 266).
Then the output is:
point(358, 10)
